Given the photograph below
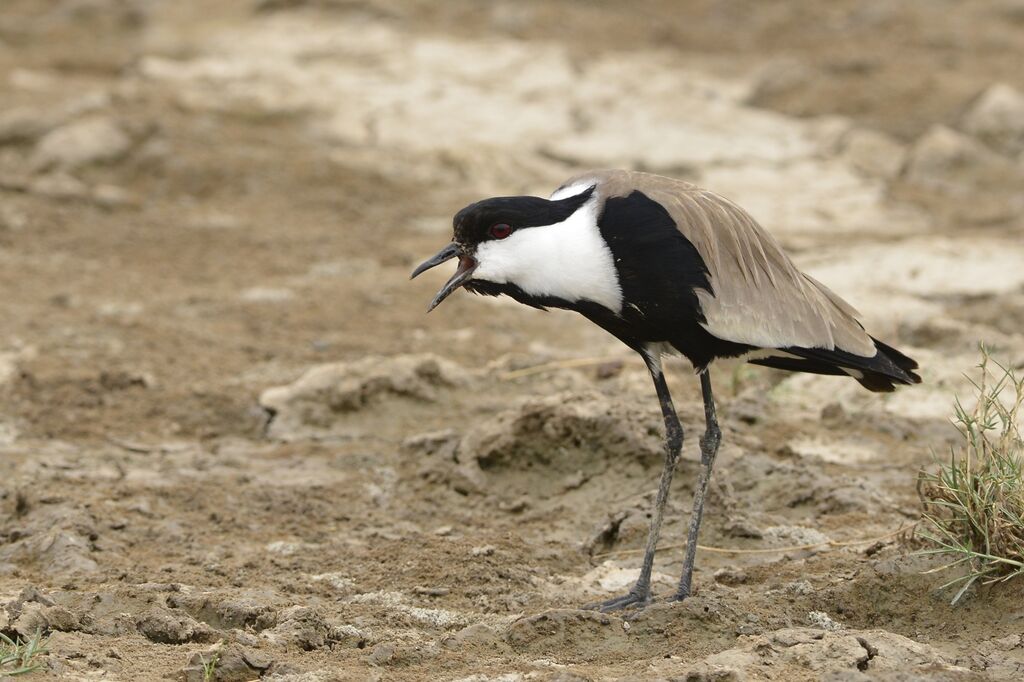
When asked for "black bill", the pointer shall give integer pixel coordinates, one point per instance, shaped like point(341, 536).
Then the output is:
point(465, 271)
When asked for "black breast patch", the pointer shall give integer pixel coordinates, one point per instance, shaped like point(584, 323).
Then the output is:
point(659, 268)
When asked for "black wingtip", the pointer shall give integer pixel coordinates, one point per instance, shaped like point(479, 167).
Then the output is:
point(900, 370)
point(904, 362)
point(880, 373)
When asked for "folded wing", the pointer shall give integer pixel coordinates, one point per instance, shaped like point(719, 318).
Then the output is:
point(759, 296)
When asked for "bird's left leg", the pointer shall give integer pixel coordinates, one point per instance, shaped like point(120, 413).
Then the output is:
point(641, 592)
point(708, 449)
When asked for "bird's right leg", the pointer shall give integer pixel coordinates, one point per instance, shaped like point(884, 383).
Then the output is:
point(640, 594)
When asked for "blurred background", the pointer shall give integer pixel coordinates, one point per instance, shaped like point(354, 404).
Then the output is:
point(225, 418)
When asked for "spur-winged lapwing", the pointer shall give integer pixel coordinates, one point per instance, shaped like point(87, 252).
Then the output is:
point(665, 266)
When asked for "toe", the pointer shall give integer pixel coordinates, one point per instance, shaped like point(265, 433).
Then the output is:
point(678, 596)
point(618, 603)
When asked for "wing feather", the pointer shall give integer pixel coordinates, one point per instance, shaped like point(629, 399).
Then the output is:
point(759, 297)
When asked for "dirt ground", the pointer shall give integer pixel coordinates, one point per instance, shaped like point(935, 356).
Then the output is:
point(229, 433)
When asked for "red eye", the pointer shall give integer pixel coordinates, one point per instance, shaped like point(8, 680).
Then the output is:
point(501, 230)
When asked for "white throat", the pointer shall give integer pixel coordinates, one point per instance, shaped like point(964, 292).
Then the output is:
point(568, 260)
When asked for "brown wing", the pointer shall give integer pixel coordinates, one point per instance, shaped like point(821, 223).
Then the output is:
point(760, 298)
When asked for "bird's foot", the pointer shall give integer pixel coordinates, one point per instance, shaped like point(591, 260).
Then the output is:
point(678, 596)
point(633, 599)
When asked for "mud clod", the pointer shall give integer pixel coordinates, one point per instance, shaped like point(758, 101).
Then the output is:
point(306, 628)
point(997, 118)
point(382, 654)
point(797, 651)
point(317, 402)
point(255, 612)
point(169, 627)
point(556, 444)
point(59, 541)
point(88, 141)
point(580, 634)
point(228, 663)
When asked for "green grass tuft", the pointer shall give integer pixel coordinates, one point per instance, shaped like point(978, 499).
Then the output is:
point(210, 666)
point(974, 504)
point(18, 657)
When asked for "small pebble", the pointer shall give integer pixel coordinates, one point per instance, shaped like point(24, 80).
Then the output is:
point(573, 481)
point(382, 654)
point(609, 370)
point(514, 507)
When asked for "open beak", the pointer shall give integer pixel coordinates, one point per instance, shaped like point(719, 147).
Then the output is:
point(464, 272)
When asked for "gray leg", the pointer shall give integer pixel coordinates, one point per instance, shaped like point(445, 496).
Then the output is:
point(640, 594)
point(708, 449)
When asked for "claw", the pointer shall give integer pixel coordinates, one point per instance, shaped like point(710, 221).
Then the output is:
point(677, 597)
point(630, 600)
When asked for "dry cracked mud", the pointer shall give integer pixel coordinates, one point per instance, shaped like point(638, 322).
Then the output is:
point(228, 433)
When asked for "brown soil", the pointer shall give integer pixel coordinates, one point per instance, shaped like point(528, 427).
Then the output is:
point(261, 189)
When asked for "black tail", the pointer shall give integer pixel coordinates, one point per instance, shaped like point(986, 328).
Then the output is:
point(879, 373)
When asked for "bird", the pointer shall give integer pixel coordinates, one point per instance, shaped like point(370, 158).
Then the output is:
point(668, 268)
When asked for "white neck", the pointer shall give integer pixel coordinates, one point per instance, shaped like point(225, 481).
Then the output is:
point(568, 260)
